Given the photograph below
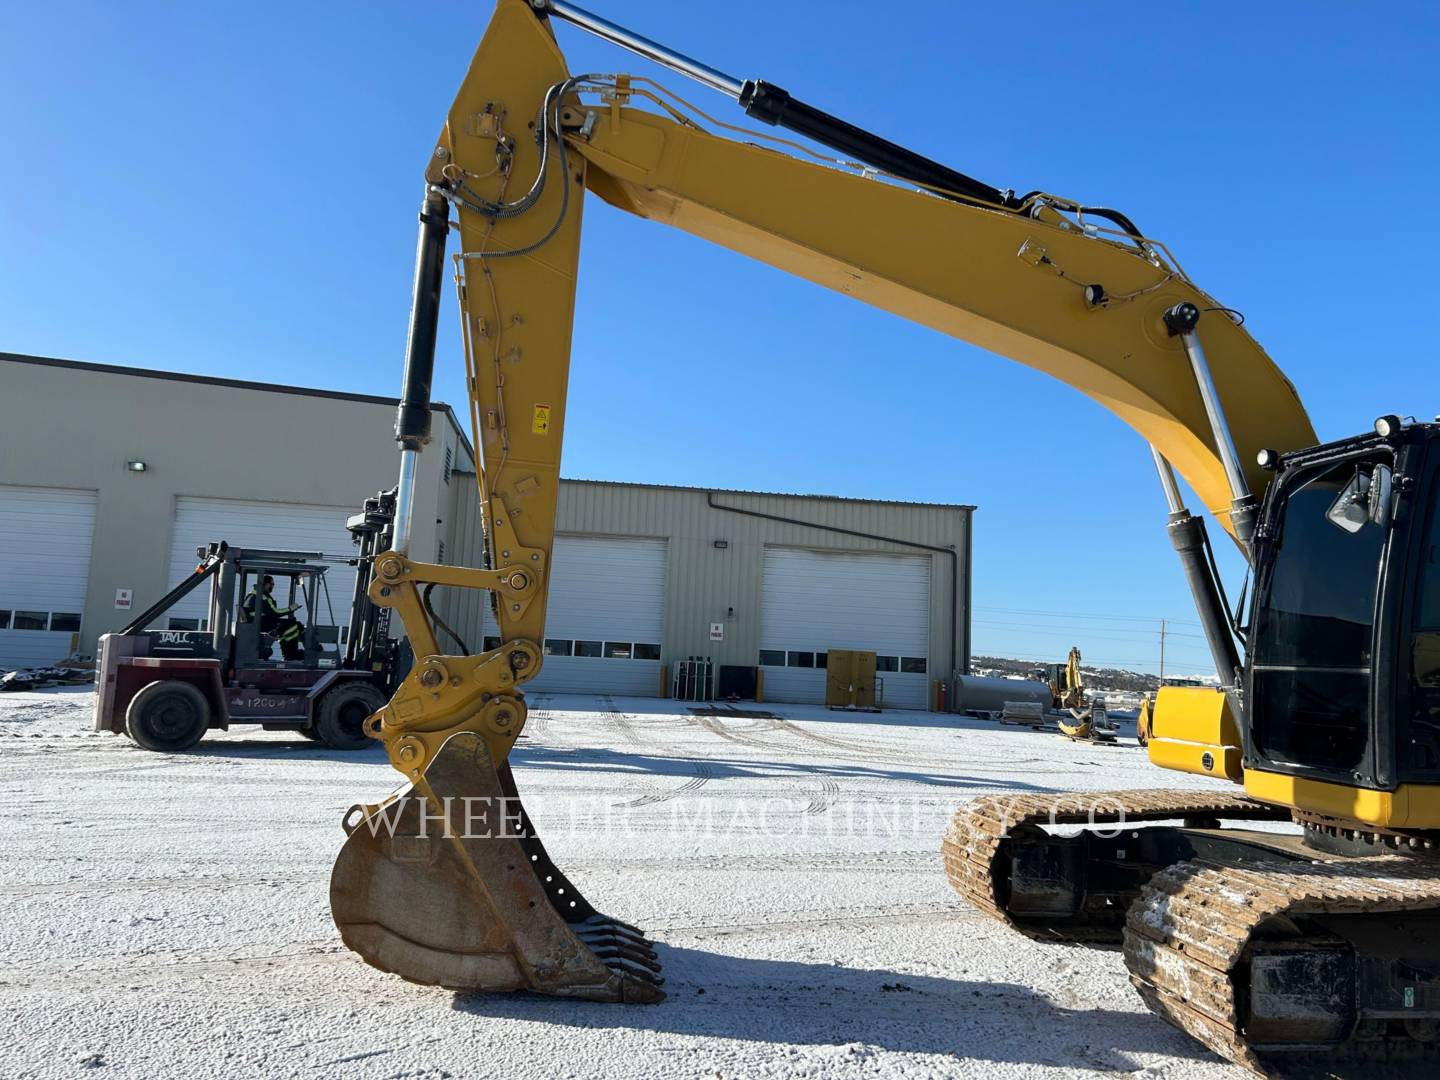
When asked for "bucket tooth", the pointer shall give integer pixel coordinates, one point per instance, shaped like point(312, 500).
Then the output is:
point(647, 955)
point(631, 956)
point(448, 885)
point(609, 932)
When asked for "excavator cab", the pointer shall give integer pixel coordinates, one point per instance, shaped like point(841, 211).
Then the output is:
point(1343, 684)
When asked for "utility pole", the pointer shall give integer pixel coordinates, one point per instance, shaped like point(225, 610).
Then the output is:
point(1162, 652)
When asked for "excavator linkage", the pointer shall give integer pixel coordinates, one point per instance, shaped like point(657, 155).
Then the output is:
point(447, 884)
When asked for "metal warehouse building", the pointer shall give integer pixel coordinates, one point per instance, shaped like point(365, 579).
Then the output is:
point(110, 477)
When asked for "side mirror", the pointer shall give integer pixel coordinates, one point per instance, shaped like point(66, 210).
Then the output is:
point(1365, 500)
point(1382, 484)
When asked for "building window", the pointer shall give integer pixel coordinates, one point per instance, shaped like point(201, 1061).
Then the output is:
point(887, 663)
point(31, 620)
point(4, 620)
point(558, 647)
point(800, 659)
point(913, 665)
point(772, 658)
point(617, 650)
point(822, 659)
point(589, 648)
point(183, 624)
point(646, 652)
point(491, 643)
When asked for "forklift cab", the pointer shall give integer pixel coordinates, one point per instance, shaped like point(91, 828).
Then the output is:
point(300, 590)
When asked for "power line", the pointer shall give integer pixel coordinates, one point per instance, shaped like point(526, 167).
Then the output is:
point(1120, 662)
point(1085, 615)
point(1185, 654)
point(1083, 639)
point(1080, 629)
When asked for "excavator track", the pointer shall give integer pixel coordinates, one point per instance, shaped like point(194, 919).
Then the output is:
point(977, 846)
point(1254, 961)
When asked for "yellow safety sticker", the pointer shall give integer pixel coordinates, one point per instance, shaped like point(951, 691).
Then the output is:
point(540, 424)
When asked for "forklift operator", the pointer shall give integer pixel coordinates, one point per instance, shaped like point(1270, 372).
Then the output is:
point(277, 620)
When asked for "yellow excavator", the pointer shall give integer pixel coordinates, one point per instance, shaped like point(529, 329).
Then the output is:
point(1263, 944)
point(1081, 719)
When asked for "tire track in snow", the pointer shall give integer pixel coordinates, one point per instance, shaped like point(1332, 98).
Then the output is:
point(825, 798)
point(714, 725)
point(619, 720)
point(789, 728)
point(155, 884)
point(891, 913)
point(703, 774)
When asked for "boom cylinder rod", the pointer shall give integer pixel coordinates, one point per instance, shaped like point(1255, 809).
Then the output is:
point(1167, 482)
point(769, 103)
point(1181, 321)
point(405, 501)
point(637, 43)
point(1187, 535)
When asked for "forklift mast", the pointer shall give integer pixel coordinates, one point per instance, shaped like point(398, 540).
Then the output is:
point(372, 531)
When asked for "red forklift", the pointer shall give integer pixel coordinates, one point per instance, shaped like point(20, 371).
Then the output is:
point(166, 688)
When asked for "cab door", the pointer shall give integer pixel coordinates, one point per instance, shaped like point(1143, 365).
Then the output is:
point(1418, 686)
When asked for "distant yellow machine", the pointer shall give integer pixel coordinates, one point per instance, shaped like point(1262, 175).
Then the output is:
point(1081, 718)
point(1262, 946)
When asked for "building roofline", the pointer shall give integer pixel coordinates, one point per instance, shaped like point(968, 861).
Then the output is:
point(437, 406)
point(772, 494)
point(235, 384)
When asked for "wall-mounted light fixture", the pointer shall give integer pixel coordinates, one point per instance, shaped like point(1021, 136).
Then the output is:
point(136, 465)
point(721, 545)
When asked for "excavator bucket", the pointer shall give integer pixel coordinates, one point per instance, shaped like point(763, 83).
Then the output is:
point(447, 884)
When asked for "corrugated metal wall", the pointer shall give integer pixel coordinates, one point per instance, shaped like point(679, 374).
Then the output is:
point(705, 584)
point(464, 539)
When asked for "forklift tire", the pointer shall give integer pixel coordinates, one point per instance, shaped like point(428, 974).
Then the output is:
point(341, 714)
point(167, 716)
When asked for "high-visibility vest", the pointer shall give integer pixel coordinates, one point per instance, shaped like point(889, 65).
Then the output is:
point(275, 609)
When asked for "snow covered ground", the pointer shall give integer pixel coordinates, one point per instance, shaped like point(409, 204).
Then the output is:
point(167, 915)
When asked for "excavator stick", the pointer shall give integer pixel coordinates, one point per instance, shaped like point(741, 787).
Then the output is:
point(447, 883)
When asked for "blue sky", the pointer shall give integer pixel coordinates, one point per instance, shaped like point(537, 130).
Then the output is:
point(232, 190)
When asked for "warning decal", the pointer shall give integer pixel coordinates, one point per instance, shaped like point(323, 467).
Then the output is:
point(540, 424)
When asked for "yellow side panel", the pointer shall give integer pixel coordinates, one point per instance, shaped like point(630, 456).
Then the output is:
point(1192, 730)
point(1192, 757)
point(1410, 806)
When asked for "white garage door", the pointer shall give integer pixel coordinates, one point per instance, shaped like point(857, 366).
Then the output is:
point(603, 625)
point(284, 526)
point(815, 601)
point(45, 537)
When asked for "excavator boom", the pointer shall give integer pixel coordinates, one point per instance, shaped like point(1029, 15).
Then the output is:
point(1012, 284)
